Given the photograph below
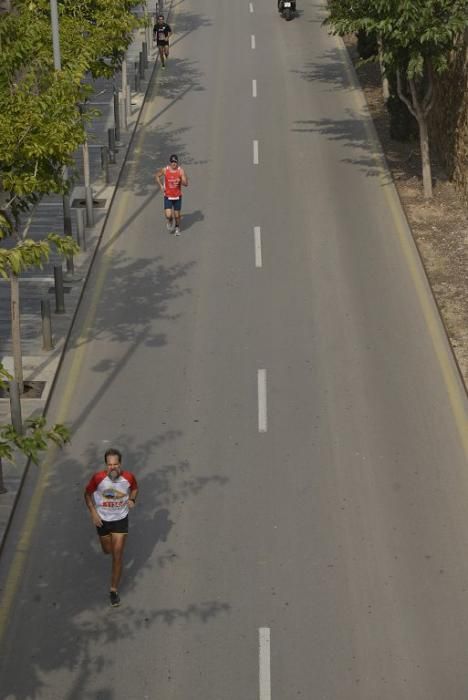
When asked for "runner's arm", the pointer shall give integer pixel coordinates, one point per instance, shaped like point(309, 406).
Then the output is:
point(132, 498)
point(92, 509)
point(157, 177)
point(183, 178)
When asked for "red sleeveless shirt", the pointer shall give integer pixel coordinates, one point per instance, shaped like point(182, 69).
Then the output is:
point(173, 182)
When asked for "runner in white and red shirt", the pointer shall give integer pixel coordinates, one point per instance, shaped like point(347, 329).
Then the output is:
point(109, 495)
point(174, 179)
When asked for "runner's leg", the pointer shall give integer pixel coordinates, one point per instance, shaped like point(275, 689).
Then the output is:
point(106, 545)
point(169, 213)
point(118, 540)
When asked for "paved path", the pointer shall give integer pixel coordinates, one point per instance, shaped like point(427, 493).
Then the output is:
point(278, 379)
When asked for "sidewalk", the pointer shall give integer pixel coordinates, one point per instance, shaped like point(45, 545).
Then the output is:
point(40, 365)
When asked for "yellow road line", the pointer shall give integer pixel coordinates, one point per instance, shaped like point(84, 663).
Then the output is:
point(440, 343)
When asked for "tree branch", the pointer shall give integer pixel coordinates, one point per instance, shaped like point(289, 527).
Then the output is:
point(402, 95)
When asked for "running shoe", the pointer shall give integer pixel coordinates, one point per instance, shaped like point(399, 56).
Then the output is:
point(114, 599)
point(177, 231)
point(169, 225)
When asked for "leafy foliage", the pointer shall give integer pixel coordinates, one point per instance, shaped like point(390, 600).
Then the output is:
point(412, 31)
point(35, 439)
point(28, 253)
point(40, 123)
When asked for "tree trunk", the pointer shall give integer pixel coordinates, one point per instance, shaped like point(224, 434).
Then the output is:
point(420, 109)
point(383, 75)
point(425, 157)
point(16, 330)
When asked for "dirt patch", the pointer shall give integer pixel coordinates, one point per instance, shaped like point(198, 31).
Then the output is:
point(440, 227)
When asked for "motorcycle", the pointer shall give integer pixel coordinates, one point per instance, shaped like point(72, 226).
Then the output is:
point(287, 8)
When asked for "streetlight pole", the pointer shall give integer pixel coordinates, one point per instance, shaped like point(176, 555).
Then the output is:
point(67, 222)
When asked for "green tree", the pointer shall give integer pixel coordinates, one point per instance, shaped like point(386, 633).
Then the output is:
point(26, 254)
point(416, 38)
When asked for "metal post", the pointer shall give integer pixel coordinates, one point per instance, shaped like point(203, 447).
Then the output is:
point(15, 407)
point(129, 101)
point(126, 105)
point(116, 115)
point(80, 228)
point(70, 267)
point(141, 66)
point(47, 342)
point(105, 162)
point(124, 75)
point(67, 225)
point(3, 488)
point(55, 34)
point(59, 291)
point(137, 81)
point(87, 185)
point(144, 50)
point(111, 140)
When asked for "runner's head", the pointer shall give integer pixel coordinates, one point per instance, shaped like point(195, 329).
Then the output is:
point(161, 19)
point(113, 460)
point(174, 161)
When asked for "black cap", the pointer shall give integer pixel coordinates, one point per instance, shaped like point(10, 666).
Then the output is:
point(173, 158)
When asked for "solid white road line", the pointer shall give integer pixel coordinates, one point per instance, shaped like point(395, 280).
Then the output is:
point(255, 152)
point(262, 401)
point(258, 246)
point(264, 663)
point(251, 7)
point(252, 40)
point(254, 88)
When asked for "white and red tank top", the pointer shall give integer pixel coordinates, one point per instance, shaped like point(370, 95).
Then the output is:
point(111, 497)
point(173, 182)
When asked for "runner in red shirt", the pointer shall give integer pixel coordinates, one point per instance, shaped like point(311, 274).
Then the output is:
point(174, 178)
point(109, 495)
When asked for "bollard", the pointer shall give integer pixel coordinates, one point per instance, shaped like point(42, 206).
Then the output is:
point(116, 115)
point(144, 50)
point(59, 291)
point(137, 82)
point(141, 66)
point(47, 342)
point(15, 406)
point(111, 139)
point(105, 163)
point(3, 488)
point(123, 109)
point(129, 101)
point(70, 265)
point(80, 228)
point(89, 206)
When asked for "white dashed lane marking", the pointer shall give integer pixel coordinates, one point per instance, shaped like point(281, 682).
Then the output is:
point(264, 663)
point(262, 401)
point(258, 246)
point(255, 153)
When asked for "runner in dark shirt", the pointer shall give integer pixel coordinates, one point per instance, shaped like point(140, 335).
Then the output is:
point(161, 34)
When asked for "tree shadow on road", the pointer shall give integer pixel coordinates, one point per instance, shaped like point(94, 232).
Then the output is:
point(353, 134)
point(328, 69)
point(63, 612)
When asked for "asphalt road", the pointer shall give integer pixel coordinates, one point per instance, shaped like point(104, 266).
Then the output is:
point(278, 381)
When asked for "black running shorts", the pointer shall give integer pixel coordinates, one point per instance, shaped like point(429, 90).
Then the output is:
point(110, 526)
